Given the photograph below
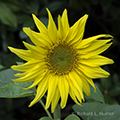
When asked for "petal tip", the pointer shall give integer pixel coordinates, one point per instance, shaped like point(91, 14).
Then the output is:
point(13, 80)
point(25, 28)
point(13, 66)
point(65, 11)
point(30, 105)
point(112, 61)
point(10, 48)
point(33, 15)
point(46, 107)
point(86, 16)
point(47, 10)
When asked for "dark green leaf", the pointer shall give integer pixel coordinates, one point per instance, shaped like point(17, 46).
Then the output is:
point(6, 76)
point(1, 67)
point(15, 90)
point(97, 111)
point(20, 63)
point(7, 16)
point(97, 96)
point(72, 117)
point(9, 89)
point(13, 5)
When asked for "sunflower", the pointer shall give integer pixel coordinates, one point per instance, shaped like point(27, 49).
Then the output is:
point(61, 62)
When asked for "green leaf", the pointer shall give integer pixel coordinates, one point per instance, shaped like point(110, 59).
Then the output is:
point(15, 90)
point(45, 118)
point(9, 89)
point(7, 16)
point(72, 117)
point(97, 111)
point(56, 113)
point(20, 63)
point(6, 76)
point(1, 66)
point(13, 5)
point(97, 96)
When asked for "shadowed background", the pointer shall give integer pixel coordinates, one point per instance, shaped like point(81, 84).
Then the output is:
point(104, 18)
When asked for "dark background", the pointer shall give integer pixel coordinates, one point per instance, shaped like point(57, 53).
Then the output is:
point(104, 18)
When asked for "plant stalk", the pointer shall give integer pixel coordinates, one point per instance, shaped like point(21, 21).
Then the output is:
point(48, 113)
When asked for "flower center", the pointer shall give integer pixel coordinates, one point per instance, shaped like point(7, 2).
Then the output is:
point(61, 58)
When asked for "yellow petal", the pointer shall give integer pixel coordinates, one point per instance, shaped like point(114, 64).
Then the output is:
point(88, 41)
point(91, 83)
point(27, 66)
point(41, 90)
point(86, 87)
point(96, 61)
point(93, 72)
point(21, 74)
point(39, 25)
point(77, 31)
point(32, 75)
point(42, 38)
point(37, 52)
point(64, 20)
point(74, 97)
point(85, 78)
point(23, 54)
point(55, 100)
point(37, 81)
point(52, 84)
point(65, 24)
point(95, 52)
point(95, 45)
point(36, 41)
point(60, 29)
point(74, 93)
point(77, 82)
point(64, 89)
point(52, 31)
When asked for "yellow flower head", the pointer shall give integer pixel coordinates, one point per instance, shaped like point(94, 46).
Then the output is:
point(61, 62)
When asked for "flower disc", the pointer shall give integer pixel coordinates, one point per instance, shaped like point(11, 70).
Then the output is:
point(61, 58)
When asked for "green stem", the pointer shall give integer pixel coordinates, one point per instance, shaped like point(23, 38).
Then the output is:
point(56, 113)
point(48, 113)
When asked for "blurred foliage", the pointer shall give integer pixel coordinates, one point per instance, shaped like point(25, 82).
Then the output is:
point(104, 17)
